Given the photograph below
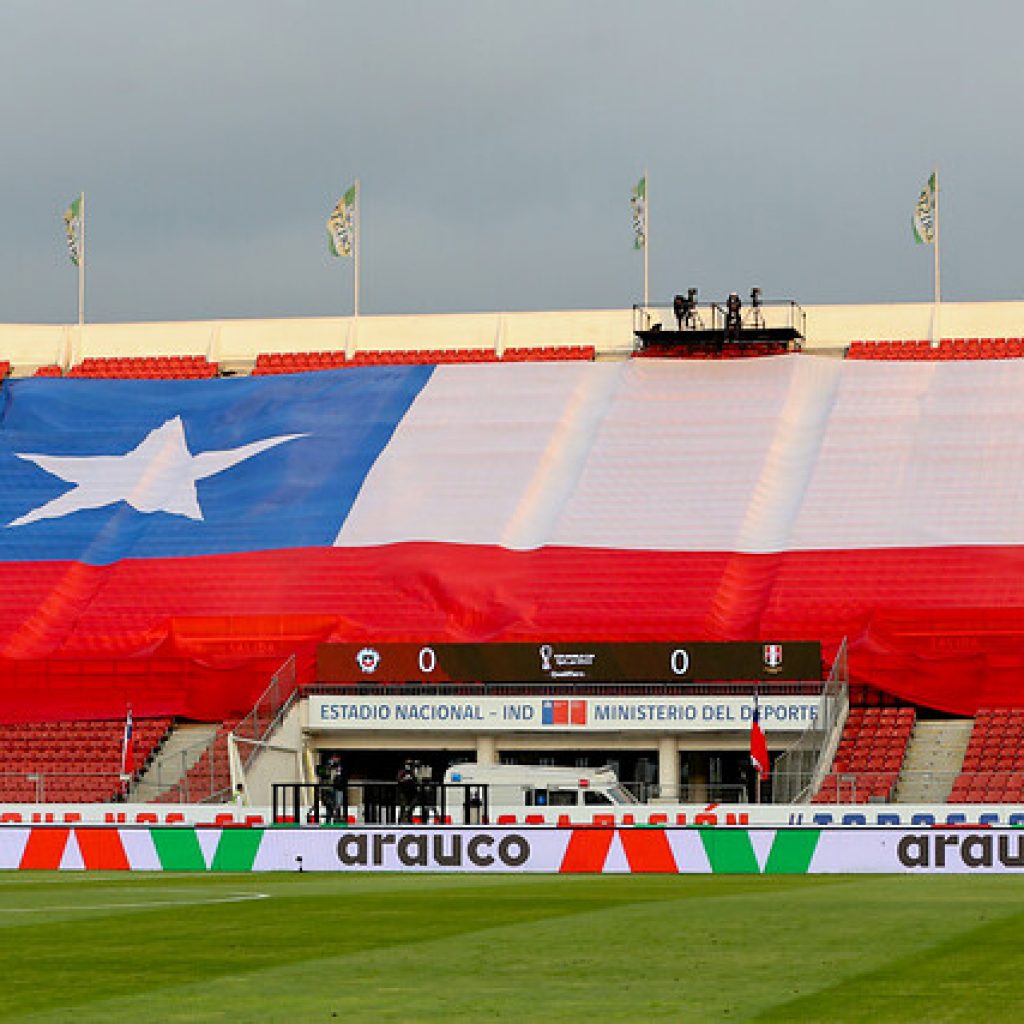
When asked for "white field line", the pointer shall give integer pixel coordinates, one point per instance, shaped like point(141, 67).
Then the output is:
point(148, 904)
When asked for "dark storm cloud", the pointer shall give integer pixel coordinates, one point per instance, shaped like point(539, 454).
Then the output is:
point(497, 143)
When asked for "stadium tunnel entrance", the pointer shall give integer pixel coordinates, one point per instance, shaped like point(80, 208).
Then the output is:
point(707, 770)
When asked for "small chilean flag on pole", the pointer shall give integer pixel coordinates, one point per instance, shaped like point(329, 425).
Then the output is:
point(127, 748)
point(758, 745)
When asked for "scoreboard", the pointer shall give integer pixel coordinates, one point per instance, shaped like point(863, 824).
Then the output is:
point(568, 663)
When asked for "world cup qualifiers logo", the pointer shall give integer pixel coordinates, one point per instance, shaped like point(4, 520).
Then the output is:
point(546, 651)
point(368, 659)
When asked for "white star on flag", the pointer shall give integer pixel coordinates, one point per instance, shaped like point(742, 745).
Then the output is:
point(158, 475)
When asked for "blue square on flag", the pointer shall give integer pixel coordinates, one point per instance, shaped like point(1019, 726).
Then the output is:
point(96, 471)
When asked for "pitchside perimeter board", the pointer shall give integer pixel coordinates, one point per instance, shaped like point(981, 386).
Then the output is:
point(545, 850)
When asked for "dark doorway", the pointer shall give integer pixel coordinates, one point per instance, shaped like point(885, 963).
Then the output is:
point(383, 765)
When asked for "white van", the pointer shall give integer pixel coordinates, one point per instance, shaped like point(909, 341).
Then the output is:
point(515, 787)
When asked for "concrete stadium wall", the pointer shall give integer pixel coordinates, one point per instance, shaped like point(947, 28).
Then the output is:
point(236, 343)
point(834, 326)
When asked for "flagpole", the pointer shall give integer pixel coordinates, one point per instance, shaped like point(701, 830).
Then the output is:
point(647, 235)
point(757, 772)
point(938, 291)
point(358, 247)
point(936, 317)
point(127, 752)
point(81, 265)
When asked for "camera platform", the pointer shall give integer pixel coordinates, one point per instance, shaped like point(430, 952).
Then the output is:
point(769, 328)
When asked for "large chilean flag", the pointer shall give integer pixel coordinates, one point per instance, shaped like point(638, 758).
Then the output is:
point(224, 523)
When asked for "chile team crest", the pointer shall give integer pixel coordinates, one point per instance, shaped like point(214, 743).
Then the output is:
point(368, 659)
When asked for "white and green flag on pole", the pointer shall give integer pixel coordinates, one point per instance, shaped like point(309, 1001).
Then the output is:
point(341, 225)
point(343, 235)
point(925, 224)
point(638, 205)
point(923, 221)
point(73, 229)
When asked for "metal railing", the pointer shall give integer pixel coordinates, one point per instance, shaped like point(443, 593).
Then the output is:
point(380, 803)
point(62, 787)
point(799, 769)
point(920, 787)
point(696, 793)
point(268, 712)
point(771, 313)
point(199, 773)
point(884, 787)
point(187, 776)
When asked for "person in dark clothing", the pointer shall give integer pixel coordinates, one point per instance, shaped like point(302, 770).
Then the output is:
point(339, 787)
point(325, 790)
point(407, 789)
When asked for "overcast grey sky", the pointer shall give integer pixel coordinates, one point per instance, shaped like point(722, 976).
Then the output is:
point(786, 144)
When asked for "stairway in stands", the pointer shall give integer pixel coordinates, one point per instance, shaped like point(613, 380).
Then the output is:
point(934, 756)
point(183, 748)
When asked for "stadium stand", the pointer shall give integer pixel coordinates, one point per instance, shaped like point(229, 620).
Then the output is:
point(71, 762)
point(869, 756)
point(548, 354)
point(875, 737)
point(209, 778)
point(268, 363)
point(993, 767)
point(948, 348)
point(424, 357)
point(146, 368)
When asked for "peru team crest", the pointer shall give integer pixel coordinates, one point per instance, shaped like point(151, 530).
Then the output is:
point(773, 657)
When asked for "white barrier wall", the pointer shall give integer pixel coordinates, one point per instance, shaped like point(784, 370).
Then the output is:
point(850, 816)
point(134, 814)
point(28, 346)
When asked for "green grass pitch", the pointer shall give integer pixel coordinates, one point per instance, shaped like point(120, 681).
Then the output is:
point(298, 948)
